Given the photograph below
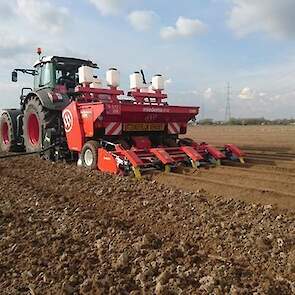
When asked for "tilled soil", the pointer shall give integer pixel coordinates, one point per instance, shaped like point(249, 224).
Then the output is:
point(65, 230)
point(273, 138)
point(254, 181)
point(268, 177)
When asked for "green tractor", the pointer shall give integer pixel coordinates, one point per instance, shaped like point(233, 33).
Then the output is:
point(37, 124)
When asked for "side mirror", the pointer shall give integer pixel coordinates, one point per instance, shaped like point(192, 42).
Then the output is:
point(14, 76)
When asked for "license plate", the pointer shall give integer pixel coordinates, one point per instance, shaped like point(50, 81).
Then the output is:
point(144, 127)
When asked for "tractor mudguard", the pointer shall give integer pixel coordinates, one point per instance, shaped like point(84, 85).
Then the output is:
point(46, 101)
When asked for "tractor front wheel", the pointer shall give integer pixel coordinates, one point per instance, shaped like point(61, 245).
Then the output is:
point(89, 155)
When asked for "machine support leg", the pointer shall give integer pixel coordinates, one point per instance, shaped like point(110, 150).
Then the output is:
point(195, 164)
point(136, 172)
point(242, 160)
point(167, 169)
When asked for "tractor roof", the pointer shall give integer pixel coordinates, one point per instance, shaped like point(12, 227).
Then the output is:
point(65, 60)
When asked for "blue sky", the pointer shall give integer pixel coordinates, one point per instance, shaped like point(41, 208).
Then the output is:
point(198, 45)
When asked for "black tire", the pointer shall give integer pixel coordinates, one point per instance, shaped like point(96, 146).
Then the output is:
point(89, 155)
point(7, 135)
point(36, 120)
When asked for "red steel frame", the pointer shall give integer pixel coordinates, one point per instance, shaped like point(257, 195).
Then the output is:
point(98, 108)
point(83, 118)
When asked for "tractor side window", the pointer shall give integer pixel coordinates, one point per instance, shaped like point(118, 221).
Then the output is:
point(45, 78)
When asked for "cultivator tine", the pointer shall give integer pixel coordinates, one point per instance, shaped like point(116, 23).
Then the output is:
point(137, 173)
point(242, 160)
point(167, 169)
point(195, 164)
point(234, 153)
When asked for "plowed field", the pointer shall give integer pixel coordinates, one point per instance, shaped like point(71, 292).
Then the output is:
point(268, 177)
point(64, 230)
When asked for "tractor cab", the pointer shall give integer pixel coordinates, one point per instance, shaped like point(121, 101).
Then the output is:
point(55, 79)
point(61, 72)
point(51, 72)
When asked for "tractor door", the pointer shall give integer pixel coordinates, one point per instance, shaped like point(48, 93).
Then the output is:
point(45, 77)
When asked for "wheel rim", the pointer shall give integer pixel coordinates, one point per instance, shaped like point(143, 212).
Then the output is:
point(5, 134)
point(88, 158)
point(33, 129)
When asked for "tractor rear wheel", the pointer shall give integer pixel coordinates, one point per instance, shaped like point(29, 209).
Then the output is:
point(89, 155)
point(6, 133)
point(36, 120)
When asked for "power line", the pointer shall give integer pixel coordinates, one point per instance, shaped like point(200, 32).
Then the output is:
point(227, 107)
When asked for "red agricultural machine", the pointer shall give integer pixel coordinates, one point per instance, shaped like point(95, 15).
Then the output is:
point(69, 115)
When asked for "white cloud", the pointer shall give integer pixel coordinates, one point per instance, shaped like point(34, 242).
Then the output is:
point(6, 10)
point(274, 17)
point(142, 20)
point(168, 33)
point(247, 93)
point(42, 14)
point(262, 94)
point(184, 27)
point(168, 81)
point(208, 93)
point(13, 45)
point(107, 7)
point(190, 27)
point(277, 97)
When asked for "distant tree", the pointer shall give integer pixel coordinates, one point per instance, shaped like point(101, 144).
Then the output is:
point(206, 122)
point(248, 121)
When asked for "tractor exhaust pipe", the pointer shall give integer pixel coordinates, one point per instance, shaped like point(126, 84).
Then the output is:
point(143, 76)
